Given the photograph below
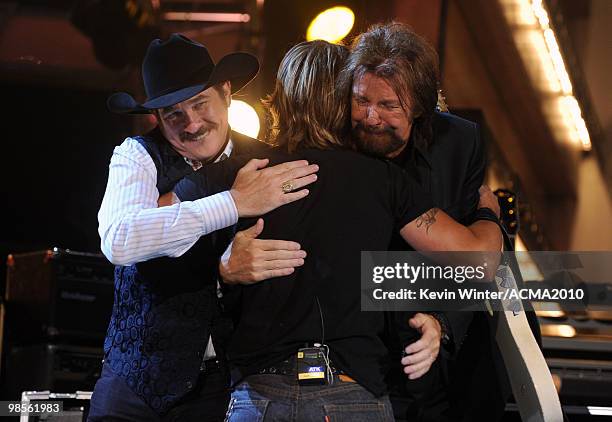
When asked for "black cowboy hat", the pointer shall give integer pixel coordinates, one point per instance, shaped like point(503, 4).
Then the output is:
point(179, 68)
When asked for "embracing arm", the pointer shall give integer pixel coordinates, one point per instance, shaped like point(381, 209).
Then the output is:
point(445, 331)
point(256, 192)
point(255, 188)
point(249, 260)
point(131, 227)
point(458, 322)
point(434, 230)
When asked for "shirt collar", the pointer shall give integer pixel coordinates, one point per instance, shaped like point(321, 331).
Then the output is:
point(414, 153)
point(197, 164)
point(227, 151)
point(424, 153)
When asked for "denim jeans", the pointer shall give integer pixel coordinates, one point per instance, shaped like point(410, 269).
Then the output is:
point(268, 397)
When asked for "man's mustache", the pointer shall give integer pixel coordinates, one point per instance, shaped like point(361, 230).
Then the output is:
point(186, 136)
point(374, 130)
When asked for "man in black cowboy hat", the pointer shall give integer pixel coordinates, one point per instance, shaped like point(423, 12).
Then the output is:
point(164, 345)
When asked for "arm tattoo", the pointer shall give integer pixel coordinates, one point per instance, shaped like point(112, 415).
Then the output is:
point(428, 219)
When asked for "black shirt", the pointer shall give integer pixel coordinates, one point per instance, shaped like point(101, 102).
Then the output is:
point(356, 205)
point(451, 169)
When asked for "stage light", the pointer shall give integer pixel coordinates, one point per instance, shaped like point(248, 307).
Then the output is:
point(547, 313)
point(331, 25)
point(207, 17)
point(243, 118)
point(537, 44)
point(558, 330)
point(599, 410)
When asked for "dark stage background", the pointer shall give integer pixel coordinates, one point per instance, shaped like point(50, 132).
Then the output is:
point(57, 145)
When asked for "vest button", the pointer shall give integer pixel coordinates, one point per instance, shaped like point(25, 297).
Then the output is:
point(189, 385)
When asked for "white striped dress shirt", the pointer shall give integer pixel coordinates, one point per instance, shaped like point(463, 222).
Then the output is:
point(131, 227)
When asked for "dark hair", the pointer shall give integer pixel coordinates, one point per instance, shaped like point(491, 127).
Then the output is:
point(409, 64)
point(306, 109)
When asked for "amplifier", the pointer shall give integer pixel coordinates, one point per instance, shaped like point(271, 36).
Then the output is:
point(75, 406)
point(53, 367)
point(58, 294)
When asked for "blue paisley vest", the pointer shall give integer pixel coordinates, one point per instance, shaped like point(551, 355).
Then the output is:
point(166, 308)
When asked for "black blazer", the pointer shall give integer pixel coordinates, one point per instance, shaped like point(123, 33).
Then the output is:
point(473, 375)
point(451, 168)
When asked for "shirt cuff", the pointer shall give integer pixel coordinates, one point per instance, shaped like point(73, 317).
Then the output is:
point(228, 252)
point(446, 341)
point(217, 211)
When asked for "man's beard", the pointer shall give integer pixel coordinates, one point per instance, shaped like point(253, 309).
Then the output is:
point(377, 142)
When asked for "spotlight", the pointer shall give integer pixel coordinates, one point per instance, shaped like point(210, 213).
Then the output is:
point(539, 47)
point(243, 118)
point(331, 25)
